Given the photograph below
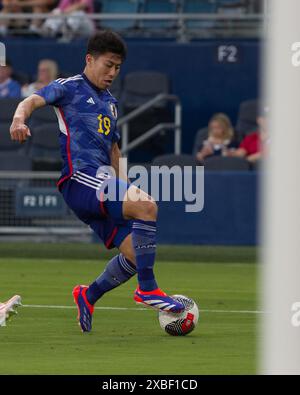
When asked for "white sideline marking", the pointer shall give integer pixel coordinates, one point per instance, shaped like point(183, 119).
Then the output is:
point(233, 311)
point(40, 306)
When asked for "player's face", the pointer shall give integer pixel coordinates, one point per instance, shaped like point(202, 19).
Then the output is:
point(104, 69)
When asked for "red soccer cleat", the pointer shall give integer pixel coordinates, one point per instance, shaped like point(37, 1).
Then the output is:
point(159, 300)
point(85, 309)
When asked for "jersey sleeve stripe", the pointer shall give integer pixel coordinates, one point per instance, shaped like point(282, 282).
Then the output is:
point(62, 126)
point(68, 146)
point(75, 78)
point(62, 81)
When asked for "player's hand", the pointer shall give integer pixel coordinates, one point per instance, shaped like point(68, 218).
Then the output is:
point(19, 132)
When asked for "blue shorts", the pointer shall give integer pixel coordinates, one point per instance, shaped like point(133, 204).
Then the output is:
point(97, 201)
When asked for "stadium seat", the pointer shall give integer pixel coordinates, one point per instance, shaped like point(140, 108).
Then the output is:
point(7, 109)
point(6, 144)
point(22, 78)
point(141, 86)
point(223, 163)
point(232, 6)
point(10, 161)
point(45, 150)
point(98, 6)
point(246, 120)
point(43, 115)
point(159, 7)
point(173, 160)
point(201, 7)
point(117, 7)
point(201, 135)
point(116, 88)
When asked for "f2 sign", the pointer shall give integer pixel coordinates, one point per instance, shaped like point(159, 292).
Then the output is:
point(228, 54)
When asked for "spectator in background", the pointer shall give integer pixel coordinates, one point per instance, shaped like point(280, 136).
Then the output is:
point(220, 137)
point(253, 146)
point(7, 7)
point(33, 6)
point(8, 86)
point(77, 24)
point(47, 72)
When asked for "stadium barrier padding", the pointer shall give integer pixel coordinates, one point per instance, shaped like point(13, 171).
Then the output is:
point(229, 215)
point(228, 218)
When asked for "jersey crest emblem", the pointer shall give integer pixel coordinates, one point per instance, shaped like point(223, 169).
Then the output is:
point(113, 110)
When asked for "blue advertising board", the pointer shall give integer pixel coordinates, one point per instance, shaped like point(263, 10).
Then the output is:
point(39, 202)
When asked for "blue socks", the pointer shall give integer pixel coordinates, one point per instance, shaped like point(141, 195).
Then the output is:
point(144, 244)
point(118, 271)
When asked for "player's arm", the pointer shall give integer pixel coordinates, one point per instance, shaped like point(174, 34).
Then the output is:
point(115, 162)
point(19, 131)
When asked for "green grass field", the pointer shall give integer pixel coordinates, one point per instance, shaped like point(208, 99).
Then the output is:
point(47, 340)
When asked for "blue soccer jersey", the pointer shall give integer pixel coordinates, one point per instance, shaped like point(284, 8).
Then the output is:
point(87, 119)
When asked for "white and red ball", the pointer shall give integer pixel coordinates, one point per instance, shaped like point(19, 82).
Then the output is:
point(183, 323)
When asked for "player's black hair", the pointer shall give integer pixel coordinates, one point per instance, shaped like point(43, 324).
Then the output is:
point(106, 41)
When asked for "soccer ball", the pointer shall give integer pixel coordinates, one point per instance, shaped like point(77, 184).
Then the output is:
point(183, 323)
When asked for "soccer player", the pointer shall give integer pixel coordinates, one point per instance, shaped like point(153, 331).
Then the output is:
point(87, 116)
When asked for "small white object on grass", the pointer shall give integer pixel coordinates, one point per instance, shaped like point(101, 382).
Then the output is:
point(8, 309)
